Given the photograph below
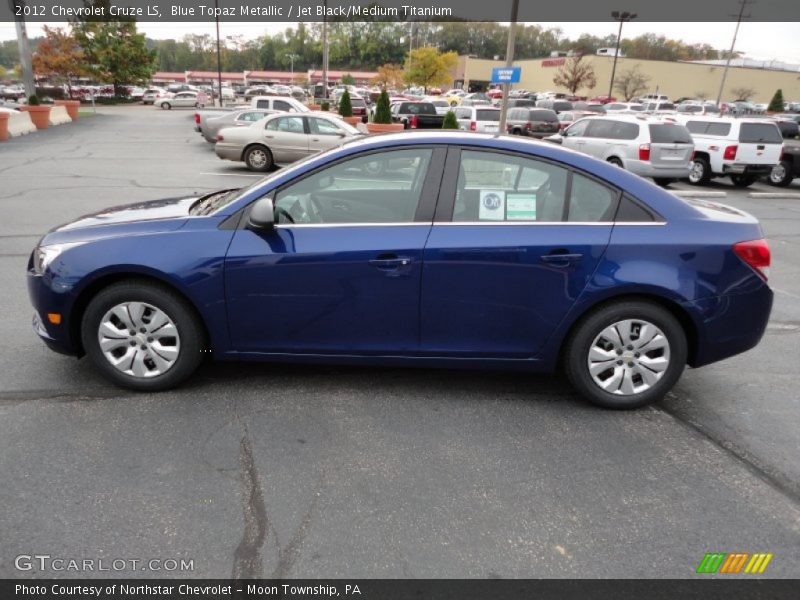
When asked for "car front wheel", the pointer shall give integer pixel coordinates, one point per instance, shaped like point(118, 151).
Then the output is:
point(258, 158)
point(781, 174)
point(626, 355)
point(142, 336)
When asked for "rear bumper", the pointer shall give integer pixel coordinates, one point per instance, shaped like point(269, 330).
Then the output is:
point(729, 325)
point(647, 169)
point(745, 169)
point(228, 152)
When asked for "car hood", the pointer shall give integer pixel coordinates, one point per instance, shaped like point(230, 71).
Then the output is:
point(146, 215)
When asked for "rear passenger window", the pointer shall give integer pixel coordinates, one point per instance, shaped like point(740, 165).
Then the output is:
point(630, 211)
point(500, 187)
point(722, 129)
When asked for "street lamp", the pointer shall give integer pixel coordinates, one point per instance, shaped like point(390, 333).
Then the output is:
point(622, 17)
point(292, 58)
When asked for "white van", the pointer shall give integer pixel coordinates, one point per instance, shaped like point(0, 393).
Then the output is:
point(742, 149)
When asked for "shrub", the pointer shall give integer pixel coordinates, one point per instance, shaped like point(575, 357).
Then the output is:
point(450, 121)
point(326, 106)
point(383, 113)
point(345, 105)
point(33, 100)
point(776, 104)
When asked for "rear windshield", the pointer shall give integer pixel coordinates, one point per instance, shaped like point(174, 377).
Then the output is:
point(357, 102)
point(691, 108)
point(760, 133)
point(668, 133)
point(543, 115)
point(562, 106)
point(421, 108)
point(525, 102)
point(487, 115)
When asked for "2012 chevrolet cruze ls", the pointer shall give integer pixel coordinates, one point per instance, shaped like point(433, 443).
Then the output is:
point(435, 250)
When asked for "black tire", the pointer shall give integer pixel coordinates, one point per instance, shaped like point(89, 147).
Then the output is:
point(576, 352)
point(616, 162)
point(252, 158)
point(663, 181)
point(781, 175)
point(701, 171)
point(183, 315)
point(742, 181)
point(166, 106)
point(516, 131)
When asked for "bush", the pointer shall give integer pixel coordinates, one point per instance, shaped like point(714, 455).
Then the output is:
point(383, 113)
point(326, 106)
point(54, 92)
point(33, 100)
point(450, 121)
point(776, 104)
point(345, 105)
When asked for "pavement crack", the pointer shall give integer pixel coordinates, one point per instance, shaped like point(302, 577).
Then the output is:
point(775, 478)
point(248, 562)
point(288, 554)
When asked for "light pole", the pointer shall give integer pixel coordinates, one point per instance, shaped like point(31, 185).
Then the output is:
point(219, 59)
point(622, 17)
point(292, 58)
point(325, 50)
point(24, 49)
point(741, 16)
point(512, 32)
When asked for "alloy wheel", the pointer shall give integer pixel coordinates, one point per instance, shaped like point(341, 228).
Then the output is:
point(257, 158)
point(628, 357)
point(697, 172)
point(778, 173)
point(139, 339)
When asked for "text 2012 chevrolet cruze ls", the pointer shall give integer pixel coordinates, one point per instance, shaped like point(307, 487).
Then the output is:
point(435, 250)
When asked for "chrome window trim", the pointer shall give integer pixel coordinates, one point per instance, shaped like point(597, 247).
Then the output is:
point(468, 223)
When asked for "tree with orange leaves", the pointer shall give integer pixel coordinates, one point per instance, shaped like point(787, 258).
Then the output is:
point(59, 56)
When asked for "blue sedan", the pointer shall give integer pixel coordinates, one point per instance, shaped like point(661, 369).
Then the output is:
point(431, 250)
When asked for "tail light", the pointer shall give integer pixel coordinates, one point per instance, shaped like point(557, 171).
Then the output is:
point(220, 138)
point(473, 126)
point(528, 125)
point(644, 152)
point(730, 152)
point(413, 123)
point(197, 118)
point(691, 158)
point(756, 254)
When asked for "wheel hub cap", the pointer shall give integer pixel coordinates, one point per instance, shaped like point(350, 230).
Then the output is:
point(139, 339)
point(628, 357)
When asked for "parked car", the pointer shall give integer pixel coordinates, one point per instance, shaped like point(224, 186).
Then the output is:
point(521, 102)
point(628, 107)
point(532, 122)
point(788, 168)
point(481, 119)
point(454, 96)
point(594, 107)
point(442, 106)
point(697, 109)
point(360, 108)
point(743, 149)
point(476, 99)
point(534, 258)
point(209, 124)
point(659, 107)
point(181, 100)
point(647, 146)
point(257, 90)
point(150, 95)
point(417, 115)
point(282, 139)
point(565, 119)
point(279, 103)
point(558, 106)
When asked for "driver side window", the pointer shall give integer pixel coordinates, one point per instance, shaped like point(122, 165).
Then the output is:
point(383, 187)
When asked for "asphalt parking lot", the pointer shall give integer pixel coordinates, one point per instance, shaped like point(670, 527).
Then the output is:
point(260, 470)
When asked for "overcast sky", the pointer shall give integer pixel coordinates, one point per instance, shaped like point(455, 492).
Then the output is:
point(757, 40)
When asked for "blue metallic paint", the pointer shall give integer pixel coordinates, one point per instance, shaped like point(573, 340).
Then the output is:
point(471, 295)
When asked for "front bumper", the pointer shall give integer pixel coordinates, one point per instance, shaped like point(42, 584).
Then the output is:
point(45, 300)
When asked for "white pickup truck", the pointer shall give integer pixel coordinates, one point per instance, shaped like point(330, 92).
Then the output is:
point(742, 149)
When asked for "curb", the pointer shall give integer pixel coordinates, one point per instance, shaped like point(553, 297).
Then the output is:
point(697, 194)
point(773, 195)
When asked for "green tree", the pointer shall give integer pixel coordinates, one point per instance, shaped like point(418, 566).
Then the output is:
point(450, 121)
point(345, 105)
point(576, 74)
point(3, 72)
point(115, 52)
point(348, 79)
point(383, 113)
point(428, 67)
point(776, 104)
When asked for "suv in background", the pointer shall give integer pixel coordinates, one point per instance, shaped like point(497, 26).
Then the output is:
point(785, 171)
point(743, 149)
point(481, 119)
point(558, 106)
point(532, 122)
point(648, 146)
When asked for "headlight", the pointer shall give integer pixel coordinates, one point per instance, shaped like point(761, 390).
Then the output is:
point(44, 255)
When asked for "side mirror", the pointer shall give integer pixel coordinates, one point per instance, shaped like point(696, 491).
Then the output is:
point(262, 215)
point(563, 132)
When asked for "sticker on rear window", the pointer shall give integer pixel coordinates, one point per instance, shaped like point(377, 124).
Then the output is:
point(521, 207)
point(492, 205)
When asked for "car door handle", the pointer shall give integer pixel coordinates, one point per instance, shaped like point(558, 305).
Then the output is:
point(561, 259)
point(268, 136)
point(390, 262)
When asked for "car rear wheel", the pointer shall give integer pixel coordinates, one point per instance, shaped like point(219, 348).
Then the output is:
point(626, 355)
point(781, 174)
point(743, 181)
point(258, 158)
point(166, 106)
point(142, 336)
point(700, 173)
point(616, 162)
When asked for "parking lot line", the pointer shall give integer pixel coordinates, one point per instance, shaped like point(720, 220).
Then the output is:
point(232, 174)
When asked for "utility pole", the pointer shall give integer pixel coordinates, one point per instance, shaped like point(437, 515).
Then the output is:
point(739, 18)
point(25, 60)
point(622, 17)
point(292, 57)
point(219, 58)
point(325, 50)
point(512, 36)
point(410, 36)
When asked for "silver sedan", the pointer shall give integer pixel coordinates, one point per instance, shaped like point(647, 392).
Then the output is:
point(282, 139)
point(238, 118)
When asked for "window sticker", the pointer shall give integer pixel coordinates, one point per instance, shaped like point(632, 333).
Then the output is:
point(521, 207)
point(493, 205)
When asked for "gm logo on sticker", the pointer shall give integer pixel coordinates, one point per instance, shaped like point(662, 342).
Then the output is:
point(492, 202)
